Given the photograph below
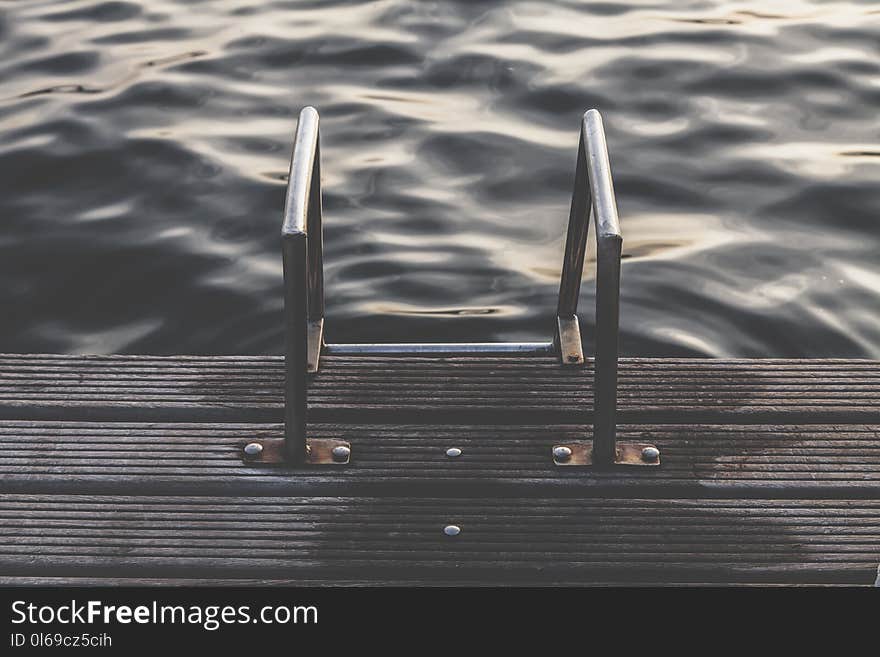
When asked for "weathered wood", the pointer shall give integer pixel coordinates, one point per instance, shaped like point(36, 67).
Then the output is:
point(512, 389)
point(411, 459)
point(733, 435)
point(354, 582)
point(255, 581)
point(400, 538)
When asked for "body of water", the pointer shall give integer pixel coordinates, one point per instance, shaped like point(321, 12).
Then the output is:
point(144, 149)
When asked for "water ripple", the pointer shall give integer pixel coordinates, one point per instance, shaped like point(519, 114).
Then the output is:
point(144, 149)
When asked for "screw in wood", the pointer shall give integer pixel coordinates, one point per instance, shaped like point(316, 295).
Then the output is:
point(562, 453)
point(650, 454)
point(452, 530)
point(452, 452)
point(253, 449)
point(340, 453)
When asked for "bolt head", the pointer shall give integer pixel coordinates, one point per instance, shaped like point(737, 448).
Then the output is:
point(573, 358)
point(341, 453)
point(253, 449)
point(452, 530)
point(650, 454)
point(452, 452)
point(562, 453)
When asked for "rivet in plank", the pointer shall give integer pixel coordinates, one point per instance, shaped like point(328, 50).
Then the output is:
point(253, 449)
point(341, 453)
point(452, 530)
point(453, 452)
point(650, 454)
point(562, 453)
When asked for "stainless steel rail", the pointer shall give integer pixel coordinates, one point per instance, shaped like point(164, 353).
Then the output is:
point(594, 194)
point(441, 348)
point(301, 249)
point(304, 294)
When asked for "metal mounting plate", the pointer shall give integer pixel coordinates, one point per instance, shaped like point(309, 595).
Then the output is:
point(628, 453)
point(319, 452)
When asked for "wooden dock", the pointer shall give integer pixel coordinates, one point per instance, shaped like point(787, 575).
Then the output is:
point(130, 468)
point(433, 464)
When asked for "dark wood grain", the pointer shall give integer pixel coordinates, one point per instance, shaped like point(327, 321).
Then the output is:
point(393, 537)
point(823, 460)
point(436, 389)
point(126, 469)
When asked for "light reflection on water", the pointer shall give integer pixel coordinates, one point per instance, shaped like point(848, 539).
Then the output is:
point(144, 149)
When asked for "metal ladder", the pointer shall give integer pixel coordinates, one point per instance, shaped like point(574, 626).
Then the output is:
point(302, 247)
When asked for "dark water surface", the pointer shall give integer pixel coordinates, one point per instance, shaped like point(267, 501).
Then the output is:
point(144, 148)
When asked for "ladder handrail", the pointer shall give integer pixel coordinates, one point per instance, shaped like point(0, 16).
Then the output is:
point(301, 248)
point(594, 195)
point(303, 212)
point(304, 294)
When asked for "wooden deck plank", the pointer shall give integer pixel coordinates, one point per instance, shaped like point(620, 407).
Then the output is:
point(512, 389)
point(397, 538)
point(360, 582)
point(770, 472)
point(810, 460)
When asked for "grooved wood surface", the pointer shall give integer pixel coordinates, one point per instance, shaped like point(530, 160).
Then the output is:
point(436, 389)
point(647, 539)
point(197, 457)
point(128, 468)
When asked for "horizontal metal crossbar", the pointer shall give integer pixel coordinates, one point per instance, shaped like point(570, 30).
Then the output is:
point(442, 348)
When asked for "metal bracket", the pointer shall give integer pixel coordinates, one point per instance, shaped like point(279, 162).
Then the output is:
point(315, 344)
point(319, 451)
point(580, 453)
point(568, 338)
